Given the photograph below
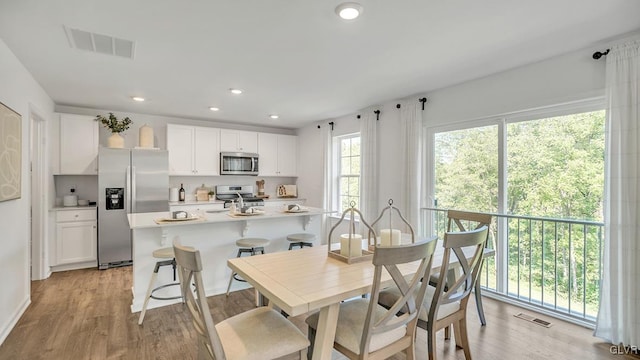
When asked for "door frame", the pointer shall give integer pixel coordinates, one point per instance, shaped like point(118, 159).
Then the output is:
point(38, 208)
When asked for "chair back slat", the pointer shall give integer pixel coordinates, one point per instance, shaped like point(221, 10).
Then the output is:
point(388, 258)
point(189, 264)
point(459, 289)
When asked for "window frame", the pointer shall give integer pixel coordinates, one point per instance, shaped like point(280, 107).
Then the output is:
point(337, 165)
point(502, 120)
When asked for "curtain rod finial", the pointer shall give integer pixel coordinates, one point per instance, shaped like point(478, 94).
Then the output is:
point(597, 55)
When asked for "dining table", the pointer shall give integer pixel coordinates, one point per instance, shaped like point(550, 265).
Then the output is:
point(307, 280)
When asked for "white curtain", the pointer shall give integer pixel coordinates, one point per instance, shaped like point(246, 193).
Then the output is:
point(327, 177)
point(369, 165)
point(619, 313)
point(411, 142)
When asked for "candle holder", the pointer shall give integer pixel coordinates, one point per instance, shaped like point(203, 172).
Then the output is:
point(389, 236)
point(351, 250)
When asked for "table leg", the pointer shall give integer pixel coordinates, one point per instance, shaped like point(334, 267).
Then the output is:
point(326, 332)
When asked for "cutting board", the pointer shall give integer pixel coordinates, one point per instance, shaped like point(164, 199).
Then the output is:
point(287, 191)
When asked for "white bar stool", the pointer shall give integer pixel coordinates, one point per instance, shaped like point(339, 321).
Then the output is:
point(168, 259)
point(247, 246)
point(301, 240)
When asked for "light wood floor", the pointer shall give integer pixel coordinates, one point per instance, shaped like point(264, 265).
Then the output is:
point(85, 314)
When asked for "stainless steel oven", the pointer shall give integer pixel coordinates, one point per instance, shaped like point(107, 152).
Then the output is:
point(238, 163)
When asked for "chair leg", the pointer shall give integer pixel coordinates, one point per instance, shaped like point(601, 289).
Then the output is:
point(456, 334)
point(431, 343)
point(311, 335)
point(464, 338)
point(148, 296)
point(478, 294)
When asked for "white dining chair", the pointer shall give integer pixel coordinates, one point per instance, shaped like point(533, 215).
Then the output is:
point(257, 334)
point(446, 303)
point(367, 330)
point(463, 221)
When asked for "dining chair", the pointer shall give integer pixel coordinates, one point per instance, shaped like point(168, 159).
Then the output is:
point(446, 303)
point(463, 221)
point(257, 334)
point(366, 330)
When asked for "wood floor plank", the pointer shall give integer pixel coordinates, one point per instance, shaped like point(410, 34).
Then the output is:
point(85, 314)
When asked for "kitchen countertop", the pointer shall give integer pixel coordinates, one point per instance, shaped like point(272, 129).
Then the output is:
point(146, 220)
point(63, 208)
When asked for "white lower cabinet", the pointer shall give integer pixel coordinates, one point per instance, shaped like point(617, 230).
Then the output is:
point(76, 239)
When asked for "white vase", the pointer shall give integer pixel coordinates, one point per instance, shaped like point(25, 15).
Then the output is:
point(115, 141)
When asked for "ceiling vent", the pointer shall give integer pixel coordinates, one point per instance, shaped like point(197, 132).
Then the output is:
point(98, 43)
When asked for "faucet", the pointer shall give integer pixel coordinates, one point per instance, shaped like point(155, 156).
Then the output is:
point(240, 200)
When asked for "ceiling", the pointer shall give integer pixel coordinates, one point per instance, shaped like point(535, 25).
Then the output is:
point(296, 59)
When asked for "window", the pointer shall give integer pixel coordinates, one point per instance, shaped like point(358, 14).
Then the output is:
point(541, 173)
point(348, 169)
point(554, 166)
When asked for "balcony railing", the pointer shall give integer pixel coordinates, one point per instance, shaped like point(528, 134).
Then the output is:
point(551, 264)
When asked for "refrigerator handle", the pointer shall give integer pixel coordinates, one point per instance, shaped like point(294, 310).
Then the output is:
point(132, 174)
point(128, 190)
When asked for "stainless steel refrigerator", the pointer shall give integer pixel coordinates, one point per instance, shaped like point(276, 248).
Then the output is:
point(129, 181)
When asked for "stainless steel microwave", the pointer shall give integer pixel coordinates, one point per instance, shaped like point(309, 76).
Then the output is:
point(238, 163)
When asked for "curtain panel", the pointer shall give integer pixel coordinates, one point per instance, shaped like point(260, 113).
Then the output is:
point(411, 140)
point(619, 314)
point(369, 176)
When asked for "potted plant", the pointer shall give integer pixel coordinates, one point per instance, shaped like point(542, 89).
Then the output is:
point(116, 126)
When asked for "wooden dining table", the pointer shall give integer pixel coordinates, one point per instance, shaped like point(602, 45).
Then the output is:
point(307, 280)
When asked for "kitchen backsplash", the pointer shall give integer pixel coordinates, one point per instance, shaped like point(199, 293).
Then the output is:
point(86, 186)
point(191, 183)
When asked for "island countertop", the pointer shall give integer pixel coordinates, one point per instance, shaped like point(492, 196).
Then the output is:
point(214, 234)
point(148, 220)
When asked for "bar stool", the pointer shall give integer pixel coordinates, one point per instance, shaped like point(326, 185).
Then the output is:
point(301, 240)
point(247, 246)
point(166, 254)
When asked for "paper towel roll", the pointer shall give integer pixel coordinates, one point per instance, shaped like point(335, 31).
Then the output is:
point(145, 136)
point(173, 194)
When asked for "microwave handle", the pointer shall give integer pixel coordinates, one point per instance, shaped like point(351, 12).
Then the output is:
point(253, 164)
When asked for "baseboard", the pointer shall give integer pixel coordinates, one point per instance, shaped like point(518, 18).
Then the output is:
point(6, 329)
point(75, 266)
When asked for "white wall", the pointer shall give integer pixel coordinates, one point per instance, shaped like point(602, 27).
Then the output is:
point(22, 93)
point(570, 77)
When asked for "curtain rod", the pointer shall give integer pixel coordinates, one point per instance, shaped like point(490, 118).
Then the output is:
point(597, 55)
point(422, 100)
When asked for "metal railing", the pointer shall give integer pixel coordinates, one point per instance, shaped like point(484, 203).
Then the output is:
point(552, 264)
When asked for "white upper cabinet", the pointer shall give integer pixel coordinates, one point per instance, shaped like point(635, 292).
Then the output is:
point(193, 150)
point(78, 145)
point(278, 154)
point(238, 141)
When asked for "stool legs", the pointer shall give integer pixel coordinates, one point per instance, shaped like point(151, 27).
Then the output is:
point(148, 296)
point(252, 251)
point(301, 244)
point(151, 289)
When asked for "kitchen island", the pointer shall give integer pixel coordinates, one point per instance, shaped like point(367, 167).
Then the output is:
point(214, 234)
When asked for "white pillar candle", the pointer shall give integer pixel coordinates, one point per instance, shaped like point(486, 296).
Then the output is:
point(356, 245)
point(390, 237)
point(145, 137)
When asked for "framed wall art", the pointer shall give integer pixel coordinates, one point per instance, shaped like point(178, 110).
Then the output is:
point(10, 153)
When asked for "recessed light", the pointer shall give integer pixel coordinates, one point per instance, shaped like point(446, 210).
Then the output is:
point(213, 108)
point(236, 91)
point(274, 116)
point(349, 10)
point(138, 98)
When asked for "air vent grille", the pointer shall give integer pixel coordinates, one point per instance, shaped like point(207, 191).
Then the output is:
point(533, 319)
point(99, 43)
